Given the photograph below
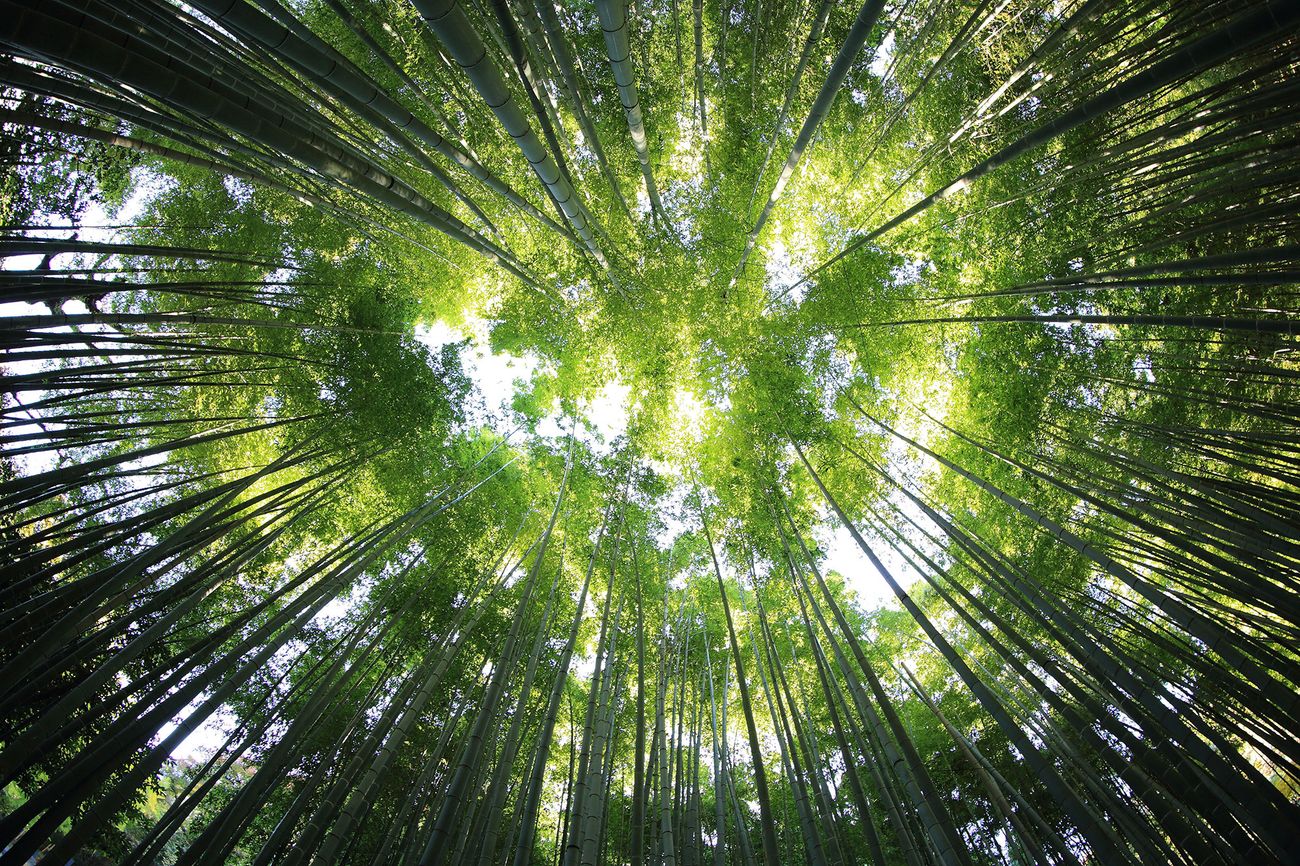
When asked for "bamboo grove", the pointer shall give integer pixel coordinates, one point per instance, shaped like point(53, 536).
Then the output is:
point(987, 304)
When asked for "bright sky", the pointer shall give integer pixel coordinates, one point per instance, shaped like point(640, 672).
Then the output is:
point(844, 556)
point(496, 377)
point(884, 55)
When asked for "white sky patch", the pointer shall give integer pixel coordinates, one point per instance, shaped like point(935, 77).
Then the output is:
point(339, 607)
point(607, 412)
point(1142, 369)
point(497, 376)
point(845, 557)
point(883, 57)
point(603, 419)
point(553, 427)
point(437, 335)
point(494, 374)
point(39, 461)
point(583, 666)
point(89, 231)
point(19, 263)
point(205, 739)
point(781, 271)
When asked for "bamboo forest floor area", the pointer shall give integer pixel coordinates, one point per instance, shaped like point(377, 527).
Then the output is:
point(654, 433)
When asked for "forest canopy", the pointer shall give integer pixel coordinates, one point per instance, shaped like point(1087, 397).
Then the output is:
point(560, 432)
